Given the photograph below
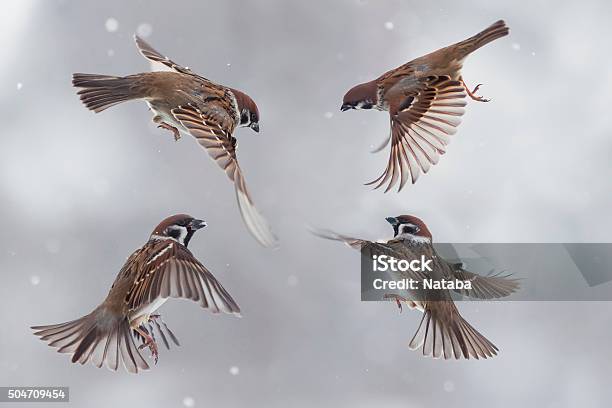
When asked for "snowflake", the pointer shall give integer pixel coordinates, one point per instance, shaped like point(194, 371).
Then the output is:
point(144, 29)
point(111, 25)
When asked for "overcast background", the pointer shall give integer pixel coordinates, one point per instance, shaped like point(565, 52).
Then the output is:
point(80, 191)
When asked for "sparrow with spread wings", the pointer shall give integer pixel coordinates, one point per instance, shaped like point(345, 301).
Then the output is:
point(162, 268)
point(443, 332)
point(182, 101)
point(425, 101)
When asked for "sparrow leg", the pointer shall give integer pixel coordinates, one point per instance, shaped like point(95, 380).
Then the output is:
point(149, 342)
point(175, 131)
point(397, 299)
point(472, 94)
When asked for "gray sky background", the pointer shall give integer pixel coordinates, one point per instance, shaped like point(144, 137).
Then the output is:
point(80, 191)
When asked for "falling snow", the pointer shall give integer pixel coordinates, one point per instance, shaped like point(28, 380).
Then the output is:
point(516, 46)
point(449, 386)
point(292, 280)
point(328, 115)
point(234, 370)
point(144, 29)
point(111, 25)
point(110, 52)
point(188, 402)
point(19, 85)
point(34, 280)
point(389, 25)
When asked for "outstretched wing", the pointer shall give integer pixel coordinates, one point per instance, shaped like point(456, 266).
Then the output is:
point(214, 132)
point(355, 243)
point(155, 56)
point(370, 248)
point(486, 287)
point(171, 271)
point(422, 119)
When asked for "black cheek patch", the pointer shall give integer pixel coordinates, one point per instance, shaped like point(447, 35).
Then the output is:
point(174, 233)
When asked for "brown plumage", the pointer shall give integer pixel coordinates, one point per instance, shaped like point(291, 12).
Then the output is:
point(425, 99)
point(162, 268)
point(183, 101)
point(443, 332)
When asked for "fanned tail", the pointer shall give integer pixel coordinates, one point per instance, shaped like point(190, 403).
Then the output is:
point(493, 32)
point(98, 337)
point(103, 91)
point(444, 333)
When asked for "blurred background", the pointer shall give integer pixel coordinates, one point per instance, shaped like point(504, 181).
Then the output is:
point(80, 191)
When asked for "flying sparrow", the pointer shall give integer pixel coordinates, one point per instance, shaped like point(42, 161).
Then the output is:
point(425, 101)
point(442, 331)
point(182, 101)
point(162, 268)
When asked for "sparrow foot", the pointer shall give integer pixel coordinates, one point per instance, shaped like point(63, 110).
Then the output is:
point(149, 342)
point(175, 131)
point(472, 93)
point(397, 299)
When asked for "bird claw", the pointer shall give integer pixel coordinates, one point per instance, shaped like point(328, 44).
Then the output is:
point(150, 343)
point(472, 93)
point(175, 131)
point(397, 299)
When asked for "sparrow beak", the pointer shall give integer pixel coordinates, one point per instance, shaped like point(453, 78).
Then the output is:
point(391, 220)
point(255, 127)
point(197, 224)
point(345, 107)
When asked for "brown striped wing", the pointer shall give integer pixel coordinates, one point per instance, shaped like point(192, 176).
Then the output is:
point(492, 286)
point(422, 120)
point(171, 271)
point(370, 248)
point(214, 132)
point(153, 55)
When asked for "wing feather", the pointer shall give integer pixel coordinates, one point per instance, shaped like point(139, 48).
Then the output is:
point(156, 57)
point(486, 287)
point(178, 274)
point(221, 146)
point(420, 128)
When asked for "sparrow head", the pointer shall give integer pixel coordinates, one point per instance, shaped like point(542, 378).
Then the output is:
point(410, 226)
point(179, 227)
point(249, 114)
point(362, 96)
